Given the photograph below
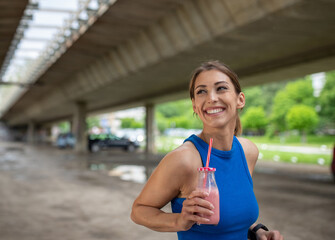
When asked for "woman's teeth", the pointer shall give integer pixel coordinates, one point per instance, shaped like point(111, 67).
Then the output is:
point(212, 111)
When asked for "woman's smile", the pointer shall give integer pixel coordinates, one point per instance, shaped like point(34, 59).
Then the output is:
point(214, 110)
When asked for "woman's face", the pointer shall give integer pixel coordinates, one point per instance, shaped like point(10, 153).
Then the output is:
point(215, 99)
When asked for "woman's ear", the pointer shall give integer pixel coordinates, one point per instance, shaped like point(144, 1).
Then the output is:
point(240, 100)
point(193, 106)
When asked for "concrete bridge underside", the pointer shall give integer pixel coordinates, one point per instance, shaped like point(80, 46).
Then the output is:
point(143, 51)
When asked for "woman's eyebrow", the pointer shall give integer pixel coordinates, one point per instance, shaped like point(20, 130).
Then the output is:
point(199, 86)
point(217, 83)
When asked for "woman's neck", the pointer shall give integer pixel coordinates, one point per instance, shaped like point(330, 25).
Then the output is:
point(222, 138)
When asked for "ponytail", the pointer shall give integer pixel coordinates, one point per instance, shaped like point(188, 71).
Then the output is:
point(238, 126)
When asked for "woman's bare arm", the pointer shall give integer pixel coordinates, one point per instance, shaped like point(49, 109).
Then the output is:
point(172, 174)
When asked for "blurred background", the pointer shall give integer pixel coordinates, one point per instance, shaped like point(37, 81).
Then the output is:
point(97, 92)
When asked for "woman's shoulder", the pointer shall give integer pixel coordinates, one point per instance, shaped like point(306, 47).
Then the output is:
point(250, 149)
point(183, 156)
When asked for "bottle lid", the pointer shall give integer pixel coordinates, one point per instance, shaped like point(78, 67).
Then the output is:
point(207, 169)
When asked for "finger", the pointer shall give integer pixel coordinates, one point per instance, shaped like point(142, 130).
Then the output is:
point(276, 235)
point(196, 218)
point(198, 193)
point(199, 202)
point(195, 209)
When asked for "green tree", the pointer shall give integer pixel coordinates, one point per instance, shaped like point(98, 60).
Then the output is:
point(161, 121)
point(261, 96)
point(301, 91)
point(131, 123)
point(281, 105)
point(253, 97)
point(177, 114)
point(254, 119)
point(327, 99)
point(297, 92)
point(180, 122)
point(173, 109)
point(92, 122)
point(302, 118)
point(64, 127)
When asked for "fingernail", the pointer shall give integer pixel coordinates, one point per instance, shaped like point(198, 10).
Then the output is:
point(212, 206)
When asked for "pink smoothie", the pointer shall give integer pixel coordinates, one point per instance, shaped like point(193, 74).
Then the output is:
point(215, 200)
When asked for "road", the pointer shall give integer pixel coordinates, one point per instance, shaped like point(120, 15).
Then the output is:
point(49, 194)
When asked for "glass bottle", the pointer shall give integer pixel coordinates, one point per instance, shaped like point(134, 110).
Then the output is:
point(206, 182)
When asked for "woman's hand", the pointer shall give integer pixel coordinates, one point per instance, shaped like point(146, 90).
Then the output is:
point(194, 207)
point(269, 235)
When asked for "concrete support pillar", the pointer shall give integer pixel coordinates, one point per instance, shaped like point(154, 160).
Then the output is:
point(47, 134)
point(149, 128)
point(31, 132)
point(79, 127)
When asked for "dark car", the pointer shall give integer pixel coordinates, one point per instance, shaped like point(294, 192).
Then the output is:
point(106, 141)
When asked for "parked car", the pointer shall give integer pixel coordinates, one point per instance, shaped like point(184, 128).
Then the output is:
point(107, 141)
point(65, 140)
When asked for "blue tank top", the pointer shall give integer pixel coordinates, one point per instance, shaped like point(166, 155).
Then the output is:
point(238, 204)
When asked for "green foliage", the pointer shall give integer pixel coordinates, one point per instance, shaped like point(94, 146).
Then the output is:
point(295, 93)
point(64, 127)
point(302, 117)
point(301, 92)
point(93, 122)
point(281, 105)
point(161, 122)
point(178, 114)
point(253, 97)
point(131, 123)
point(174, 109)
point(261, 96)
point(327, 98)
point(254, 119)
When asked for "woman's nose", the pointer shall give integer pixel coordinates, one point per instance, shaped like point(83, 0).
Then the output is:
point(212, 96)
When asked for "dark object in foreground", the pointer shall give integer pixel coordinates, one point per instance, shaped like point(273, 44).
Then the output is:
point(106, 141)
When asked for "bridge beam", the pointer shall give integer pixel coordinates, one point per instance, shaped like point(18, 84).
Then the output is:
point(31, 132)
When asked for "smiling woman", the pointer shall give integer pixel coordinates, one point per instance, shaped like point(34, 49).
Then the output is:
point(216, 98)
point(227, 84)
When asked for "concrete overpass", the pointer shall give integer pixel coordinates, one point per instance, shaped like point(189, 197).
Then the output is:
point(141, 52)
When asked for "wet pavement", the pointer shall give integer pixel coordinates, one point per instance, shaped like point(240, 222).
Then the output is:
point(49, 194)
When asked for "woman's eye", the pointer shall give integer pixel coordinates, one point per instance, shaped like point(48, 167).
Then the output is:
point(201, 91)
point(222, 88)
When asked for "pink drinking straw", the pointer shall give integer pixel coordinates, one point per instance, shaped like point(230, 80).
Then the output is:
point(209, 151)
point(207, 162)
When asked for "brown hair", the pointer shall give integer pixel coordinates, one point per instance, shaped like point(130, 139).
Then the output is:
point(219, 66)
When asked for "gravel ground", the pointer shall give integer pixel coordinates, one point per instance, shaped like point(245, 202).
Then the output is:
point(49, 194)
